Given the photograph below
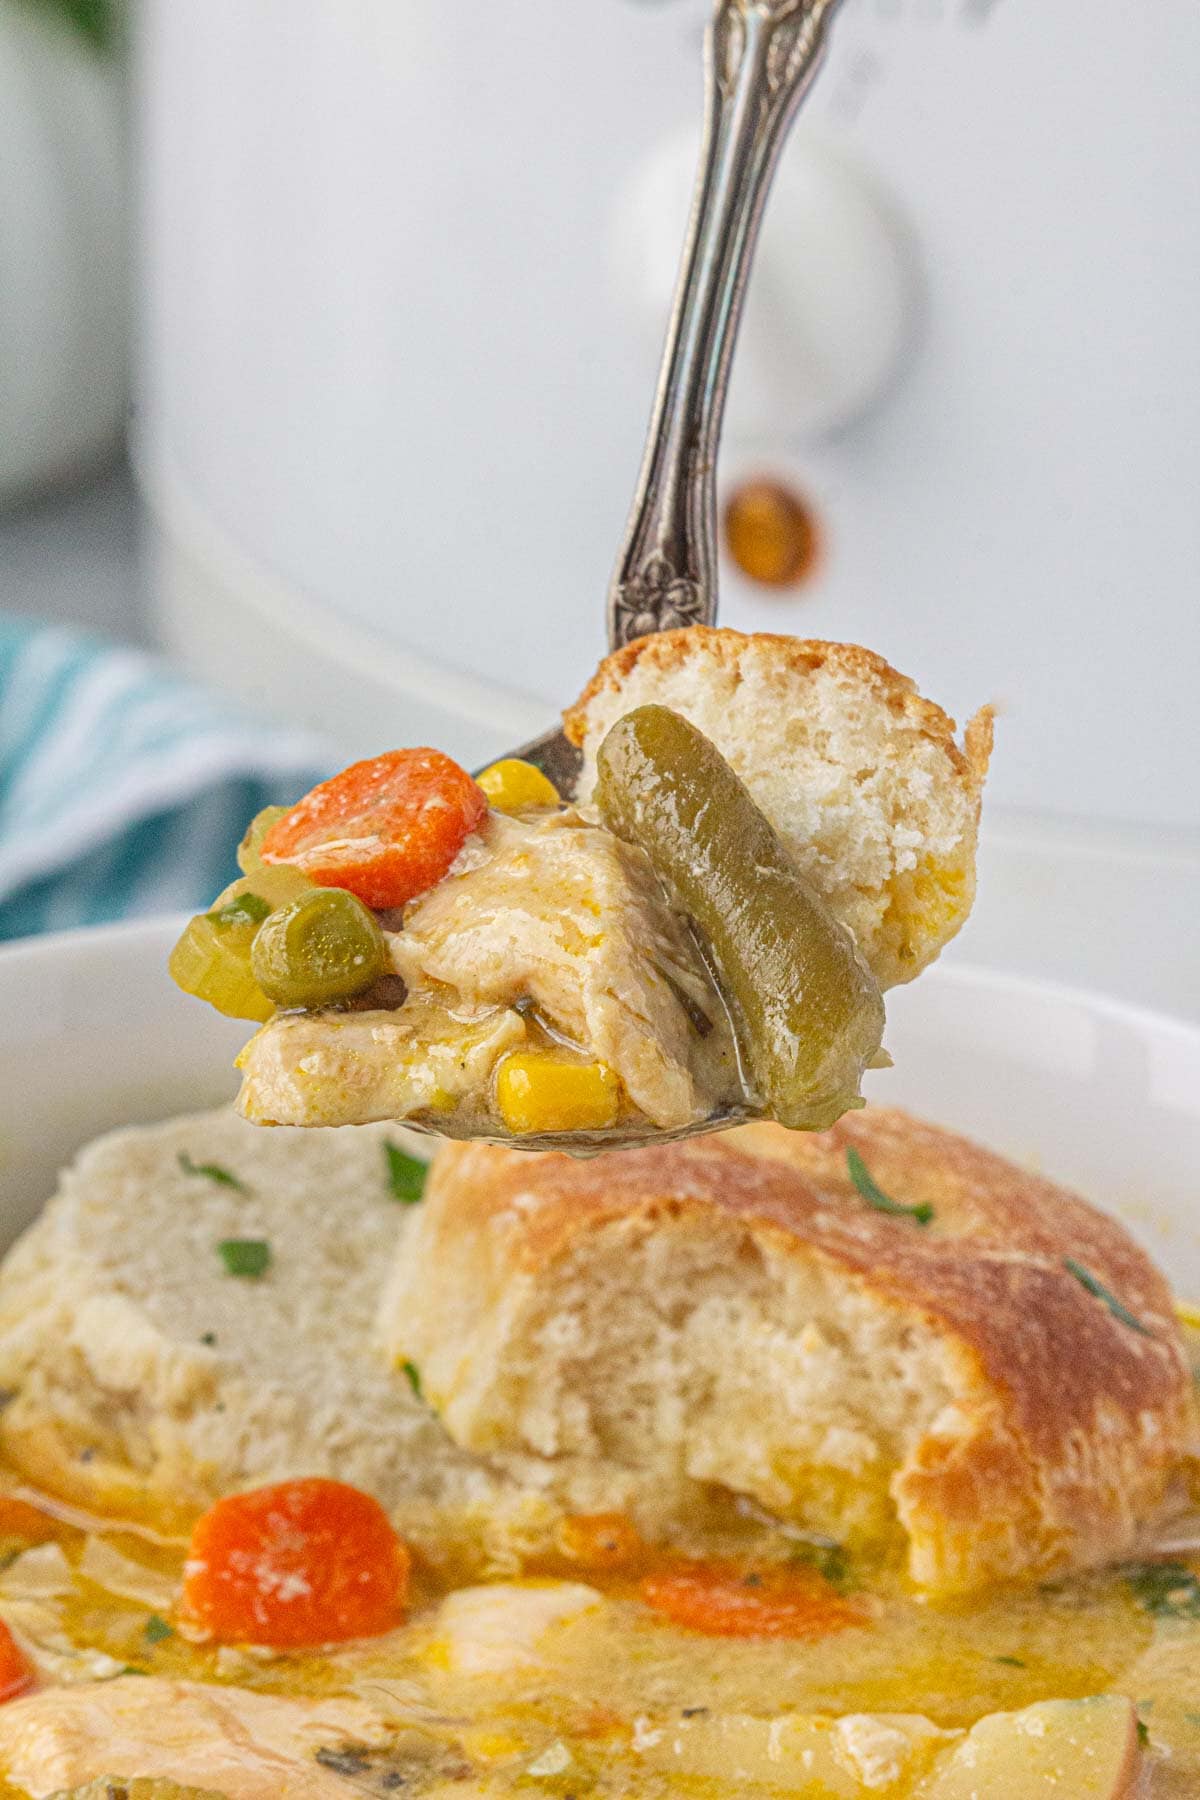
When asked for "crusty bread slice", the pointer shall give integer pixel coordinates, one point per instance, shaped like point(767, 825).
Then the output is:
point(733, 1310)
point(144, 1379)
point(864, 780)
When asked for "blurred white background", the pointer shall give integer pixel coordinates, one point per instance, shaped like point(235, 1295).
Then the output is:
point(67, 516)
point(398, 276)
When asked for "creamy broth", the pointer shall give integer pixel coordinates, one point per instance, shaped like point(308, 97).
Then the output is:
point(587, 1703)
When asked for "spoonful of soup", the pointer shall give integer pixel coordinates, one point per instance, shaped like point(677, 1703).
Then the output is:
point(679, 910)
point(767, 834)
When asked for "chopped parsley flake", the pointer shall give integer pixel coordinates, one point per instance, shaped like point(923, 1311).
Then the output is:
point(97, 21)
point(874, 1196)
point(243, 909)
point(157, 1629)
point(1166, 1590)
point(414, 1378)
point(405, 1174)
point(1143, 1735)
point(212, 1172)
point(1087, 1280)
point(827, 1557)
point(1010, 1662)
point(247, 1257)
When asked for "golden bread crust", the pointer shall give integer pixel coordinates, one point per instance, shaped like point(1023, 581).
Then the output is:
point(669, 650)
point(991, 1265)
point(1064, 1424)
point(864, 780)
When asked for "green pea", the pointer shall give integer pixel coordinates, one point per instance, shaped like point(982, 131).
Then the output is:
point(808, 1011)
point(321, 947)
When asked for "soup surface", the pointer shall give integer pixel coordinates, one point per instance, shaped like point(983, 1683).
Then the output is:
point(592, 1670)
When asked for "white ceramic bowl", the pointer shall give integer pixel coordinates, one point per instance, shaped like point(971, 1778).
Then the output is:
point(1095, 1093)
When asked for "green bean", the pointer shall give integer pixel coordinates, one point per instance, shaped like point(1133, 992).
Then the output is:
point(321, 947)
point(808, 1011)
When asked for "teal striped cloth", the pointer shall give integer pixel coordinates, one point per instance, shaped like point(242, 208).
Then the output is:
point(124, 786)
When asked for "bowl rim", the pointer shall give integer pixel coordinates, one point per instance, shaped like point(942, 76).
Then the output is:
point(978, 977)
point(49, 943)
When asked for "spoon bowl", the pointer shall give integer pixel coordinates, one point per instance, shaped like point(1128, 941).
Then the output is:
point(594, 1143)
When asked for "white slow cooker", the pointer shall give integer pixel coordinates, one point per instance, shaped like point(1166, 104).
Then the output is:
point(405, 271)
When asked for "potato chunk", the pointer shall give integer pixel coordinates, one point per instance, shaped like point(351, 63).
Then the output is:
point(1085, 1748)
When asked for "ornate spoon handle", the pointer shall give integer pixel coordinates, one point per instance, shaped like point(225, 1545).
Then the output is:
point(760, 56)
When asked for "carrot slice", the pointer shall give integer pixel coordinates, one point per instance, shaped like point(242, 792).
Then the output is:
point(16, 1677)
point(386, 829)
point(301, 1563)
point(724, 1600)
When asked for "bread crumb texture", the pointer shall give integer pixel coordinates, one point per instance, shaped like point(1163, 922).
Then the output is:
point(144, 1379)
point(731, 1312)
point(864, 780)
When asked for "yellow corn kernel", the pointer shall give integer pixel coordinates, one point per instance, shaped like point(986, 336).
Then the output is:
point(513, 786)
point(536, 1092)
point(1189, 1315)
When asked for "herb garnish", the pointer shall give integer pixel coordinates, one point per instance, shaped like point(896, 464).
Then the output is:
point(157, 1629)
point(212, 1172)
point(1166, 1590)
point(1143, 1734)
point(827, 1557)
point(96, 20)
point(405, 1174)
point(1087, 1280)
point(243, 909)
point(875, 1196)
point(414, 1378)
point(248, 1257)
point(1011, 1662)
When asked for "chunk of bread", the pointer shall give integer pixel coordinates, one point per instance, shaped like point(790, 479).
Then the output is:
point(733, 1311)
point(862, 778)
point(144, 1379)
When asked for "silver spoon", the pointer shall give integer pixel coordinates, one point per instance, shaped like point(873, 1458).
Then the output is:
point(760, 58)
